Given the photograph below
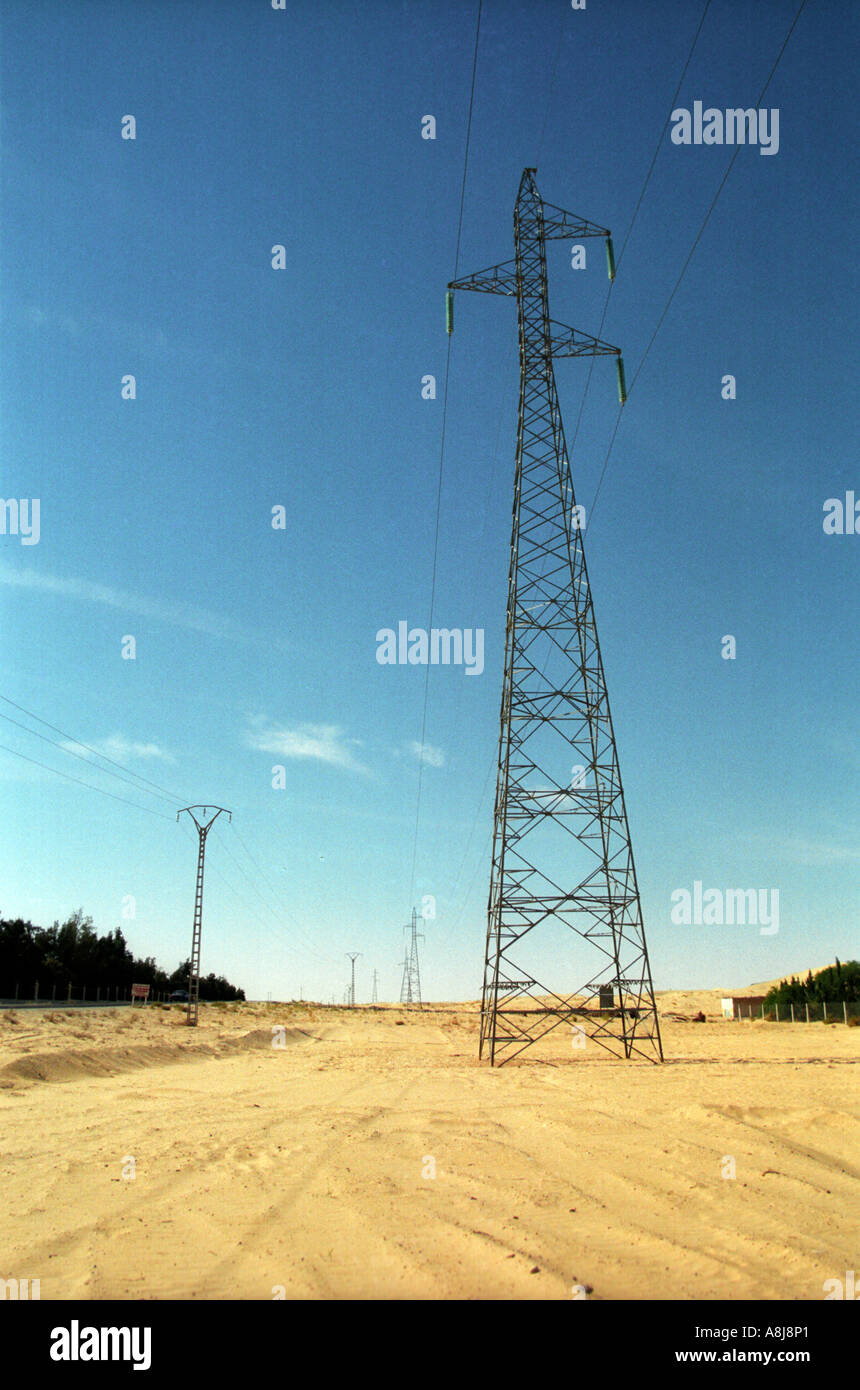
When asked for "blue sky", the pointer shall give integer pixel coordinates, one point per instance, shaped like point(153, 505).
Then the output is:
point(302, 388)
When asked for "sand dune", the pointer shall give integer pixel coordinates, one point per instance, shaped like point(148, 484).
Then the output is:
point(306, 1168)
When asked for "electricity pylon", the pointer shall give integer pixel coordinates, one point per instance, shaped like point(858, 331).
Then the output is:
point(410, 988)
point(353, 956)
point(374, 996)
point(562, 857)
point(204, 825)
point(403, 984)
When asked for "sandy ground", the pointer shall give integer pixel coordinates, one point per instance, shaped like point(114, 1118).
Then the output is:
point(305, 1170)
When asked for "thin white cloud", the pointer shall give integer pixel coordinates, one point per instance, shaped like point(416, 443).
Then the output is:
point(840, 846)
point(323, 743)
point(37, 317)
point(141, 337)
point(818, 852)
point(177, 613)
point(123, 750)
point(426, 753)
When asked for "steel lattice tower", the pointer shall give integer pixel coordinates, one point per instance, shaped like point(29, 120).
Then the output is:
point(410, 988)
point(563, 892)
point(204, 825)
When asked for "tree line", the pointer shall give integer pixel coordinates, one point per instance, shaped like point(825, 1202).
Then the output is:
point(837, 984)
point(72, 953)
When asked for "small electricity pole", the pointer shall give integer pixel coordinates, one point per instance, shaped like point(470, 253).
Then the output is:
point(204, 825)
point(353, 956)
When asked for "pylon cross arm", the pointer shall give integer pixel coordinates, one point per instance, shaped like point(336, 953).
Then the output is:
point(496, 279)
point(571, 342)
point(567, 224)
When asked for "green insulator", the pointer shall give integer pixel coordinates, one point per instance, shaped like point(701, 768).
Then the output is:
point(449, 311)
point(622, 384)
point(610, 258)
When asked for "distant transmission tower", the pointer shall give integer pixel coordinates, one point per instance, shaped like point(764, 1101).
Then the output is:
point(353, 956)
point(563, 892)
point(410, 989)
point(374, 999)
point(204, 825)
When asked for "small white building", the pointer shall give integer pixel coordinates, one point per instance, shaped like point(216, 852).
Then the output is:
point(742, 1005)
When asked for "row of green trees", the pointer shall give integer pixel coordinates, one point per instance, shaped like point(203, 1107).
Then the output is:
point(836, 984)
point(74, 954)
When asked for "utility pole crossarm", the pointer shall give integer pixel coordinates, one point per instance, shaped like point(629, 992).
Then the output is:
point(571, 342)
point(207, 820)
point(567, 224)
point(496, 279)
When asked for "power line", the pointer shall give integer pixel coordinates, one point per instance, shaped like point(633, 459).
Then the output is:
point(492, 766)
point(442, 449)
point(321, 957)
point(171, 796)
point(468, 137)
point(54, 744)
point(243, 871)
point(611, 285)
point(660, 139)
point(307, 948)
point(242, 899)
point(271, 887)
point(81, 783)
point(691, 252)
point(220, 875)
point(490, 770)
point(561, 21)
point(303, 950)
point(444, 416)
point(657, 148)
point(486, 848)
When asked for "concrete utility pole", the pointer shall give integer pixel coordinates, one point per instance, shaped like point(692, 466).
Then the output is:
point(204, 825)
point(353, 956)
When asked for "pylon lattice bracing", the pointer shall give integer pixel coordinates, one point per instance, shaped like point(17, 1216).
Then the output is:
point(410, 987)
point(563, 890)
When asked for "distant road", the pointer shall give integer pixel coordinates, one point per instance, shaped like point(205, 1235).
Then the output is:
point(64, 1004)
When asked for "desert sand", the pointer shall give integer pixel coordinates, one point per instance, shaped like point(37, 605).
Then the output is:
point(305, 1170)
